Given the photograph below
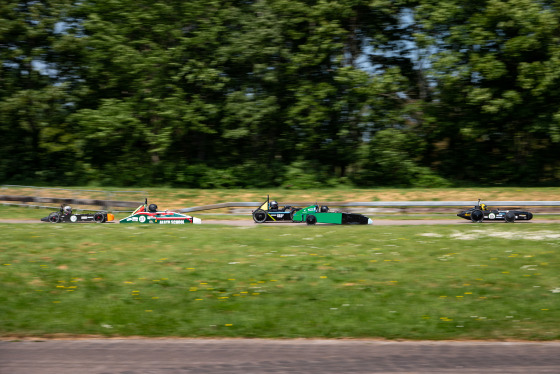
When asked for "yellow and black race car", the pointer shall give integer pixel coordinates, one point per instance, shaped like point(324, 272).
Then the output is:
point(270, 212)
point(481, 212)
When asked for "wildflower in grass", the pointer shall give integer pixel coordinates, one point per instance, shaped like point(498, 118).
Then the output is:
point(148, 311)
point(228, 324)
point(323, 277)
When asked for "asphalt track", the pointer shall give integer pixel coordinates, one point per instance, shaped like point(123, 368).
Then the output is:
point(248, 356)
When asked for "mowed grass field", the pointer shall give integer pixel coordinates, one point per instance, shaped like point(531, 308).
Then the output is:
point(485, 281)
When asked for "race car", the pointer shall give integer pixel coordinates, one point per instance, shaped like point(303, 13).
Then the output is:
point(149, 214)
point(481, 212)
point(315, 214)
point(65, 215)
point(269, 212)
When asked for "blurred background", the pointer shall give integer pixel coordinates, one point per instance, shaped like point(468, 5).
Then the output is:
point(286, 93)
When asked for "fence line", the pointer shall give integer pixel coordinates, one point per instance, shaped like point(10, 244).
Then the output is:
point(388, 204)
point(35, 198)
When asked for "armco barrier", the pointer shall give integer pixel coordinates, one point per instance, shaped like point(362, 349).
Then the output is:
point(378, 204)
point(39, 197)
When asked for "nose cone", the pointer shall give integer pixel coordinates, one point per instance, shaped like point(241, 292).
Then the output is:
point(196, 221)
point(369, 221)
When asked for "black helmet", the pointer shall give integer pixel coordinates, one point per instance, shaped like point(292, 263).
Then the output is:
point(324, 209)
point(152, 208)
point(273, 205)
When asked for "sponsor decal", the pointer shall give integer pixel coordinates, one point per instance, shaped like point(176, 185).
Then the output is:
point(135, 219)
point(172, 222)
point(492, 216)
point(142, 219)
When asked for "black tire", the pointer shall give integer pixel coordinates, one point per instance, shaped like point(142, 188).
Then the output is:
point(259, 216)
point(477, 215)
point(54, 217)
point(529, 216)
point(510, 217)
point(292, 212)
point(99, 217)
point(311, 219)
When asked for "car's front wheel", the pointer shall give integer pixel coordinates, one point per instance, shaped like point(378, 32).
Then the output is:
point(477, 215)
point(311, 219)
point(259, 216)
point(54, 217)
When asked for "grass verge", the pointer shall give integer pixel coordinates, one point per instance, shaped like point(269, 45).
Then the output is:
point(489, 281)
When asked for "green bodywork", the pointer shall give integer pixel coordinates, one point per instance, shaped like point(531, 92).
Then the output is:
point(322, 217)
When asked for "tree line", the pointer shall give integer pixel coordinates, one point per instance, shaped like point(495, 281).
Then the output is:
point(294, 93)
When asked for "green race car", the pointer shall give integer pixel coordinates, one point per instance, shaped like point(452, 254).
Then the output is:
point(314, 214)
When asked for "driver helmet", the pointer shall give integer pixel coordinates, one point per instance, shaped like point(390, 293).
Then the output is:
point(273, 205)
point(152, 208)
point(483, 207)
point(324, 209)
point(67, 209)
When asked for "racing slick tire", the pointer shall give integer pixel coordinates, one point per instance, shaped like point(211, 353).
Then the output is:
point(510, 217)
point(311, 219)
point(292, 212)
point(477, 215)
point(259, 216)
point(99, 217)
point(54, 217)
point(529, 216)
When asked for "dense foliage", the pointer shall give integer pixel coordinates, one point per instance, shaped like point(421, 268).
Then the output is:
point(301, 93)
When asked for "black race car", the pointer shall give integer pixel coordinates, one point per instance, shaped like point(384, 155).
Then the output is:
point(481, 212)
point(65, 214)
point(270, 212)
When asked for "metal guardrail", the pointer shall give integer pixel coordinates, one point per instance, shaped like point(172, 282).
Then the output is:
point(380, 204)
point(35, 198)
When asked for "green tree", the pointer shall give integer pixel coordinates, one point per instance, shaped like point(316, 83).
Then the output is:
point(32, 107)
point(495, 78)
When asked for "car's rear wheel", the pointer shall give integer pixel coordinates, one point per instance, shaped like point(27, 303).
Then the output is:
point(477, 215)
point(54, 217)
point(510, 217)
point(259, 216)
point(99, 217)
point(529, 216)
point(311, 219)
point(293, 211)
